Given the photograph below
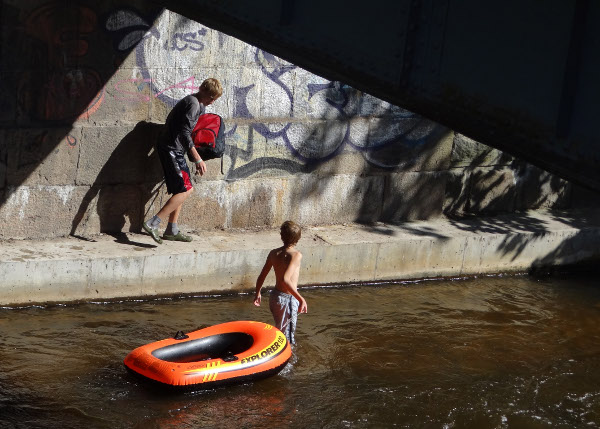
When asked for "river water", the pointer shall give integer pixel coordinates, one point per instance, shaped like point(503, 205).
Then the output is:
point(493, 352)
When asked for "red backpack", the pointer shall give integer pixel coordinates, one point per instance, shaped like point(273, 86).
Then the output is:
point(209, 136)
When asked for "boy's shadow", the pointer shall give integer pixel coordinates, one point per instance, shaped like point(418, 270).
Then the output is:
point(123, 188)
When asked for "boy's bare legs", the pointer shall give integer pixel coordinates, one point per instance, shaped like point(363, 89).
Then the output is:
point(171, 209)
point(175, 214)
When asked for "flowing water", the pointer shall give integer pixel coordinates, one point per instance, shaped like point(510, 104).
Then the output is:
point(495, 352)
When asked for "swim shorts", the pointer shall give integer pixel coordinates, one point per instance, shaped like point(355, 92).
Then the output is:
point(285, 312)
point(177, 173)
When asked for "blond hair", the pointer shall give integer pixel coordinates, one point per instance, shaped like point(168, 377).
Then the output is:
point(290, 233)
point(211, 87)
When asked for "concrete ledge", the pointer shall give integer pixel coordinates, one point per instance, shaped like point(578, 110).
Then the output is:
point(131, 265)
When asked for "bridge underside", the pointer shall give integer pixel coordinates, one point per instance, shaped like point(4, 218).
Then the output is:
point(518, 75)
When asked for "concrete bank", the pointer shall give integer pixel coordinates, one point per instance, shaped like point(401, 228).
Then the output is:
point(131, 265)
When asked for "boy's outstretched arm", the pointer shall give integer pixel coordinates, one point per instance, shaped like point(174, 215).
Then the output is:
point(261, 279)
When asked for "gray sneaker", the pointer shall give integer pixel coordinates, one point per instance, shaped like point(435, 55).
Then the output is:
point(153, 232)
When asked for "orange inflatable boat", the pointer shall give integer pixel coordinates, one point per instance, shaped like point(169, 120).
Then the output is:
point(231, 352)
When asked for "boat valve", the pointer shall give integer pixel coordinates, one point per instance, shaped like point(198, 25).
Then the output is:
point(229, 357)
point(180, 336)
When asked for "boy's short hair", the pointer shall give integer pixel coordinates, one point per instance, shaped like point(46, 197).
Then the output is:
point(290, 233)
point(211, 87)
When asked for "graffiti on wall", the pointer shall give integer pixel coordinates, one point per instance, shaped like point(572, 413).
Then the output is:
point(409, 130)
point(177, 41)
point(61, 84)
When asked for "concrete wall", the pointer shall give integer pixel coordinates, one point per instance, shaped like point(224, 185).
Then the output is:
point(86, 88)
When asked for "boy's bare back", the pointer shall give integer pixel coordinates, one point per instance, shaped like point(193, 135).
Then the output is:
point(286, 264)
point(285, 261)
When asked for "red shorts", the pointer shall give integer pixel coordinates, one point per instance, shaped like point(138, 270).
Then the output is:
point(177, 173)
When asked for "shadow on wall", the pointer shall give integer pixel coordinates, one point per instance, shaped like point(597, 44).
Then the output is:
point(533, 230)
point(125, 184)
point(56, 59)
point(575, 250)
point(381, 162)
point(495, 200)
point(486, 185)
point(412, 171)
point(485, 192)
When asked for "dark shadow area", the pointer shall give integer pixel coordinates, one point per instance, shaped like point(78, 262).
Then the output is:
point(572, 249)
point(55, 61)
point(123, 238)
point(412, 169)
point(480, 190)
point(124, 185)
point(515, 187)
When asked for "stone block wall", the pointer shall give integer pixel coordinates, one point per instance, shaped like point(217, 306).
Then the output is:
point(86, 88)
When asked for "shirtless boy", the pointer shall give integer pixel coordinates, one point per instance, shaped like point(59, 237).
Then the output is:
point(284, 302)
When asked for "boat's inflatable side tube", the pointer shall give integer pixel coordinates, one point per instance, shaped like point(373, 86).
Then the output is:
point(226, 353)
